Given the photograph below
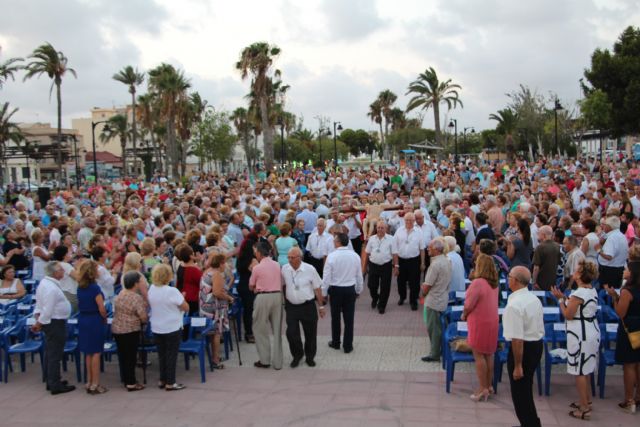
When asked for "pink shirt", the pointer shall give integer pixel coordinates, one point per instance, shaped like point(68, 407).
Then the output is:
point(630, 234)
point(265, 277)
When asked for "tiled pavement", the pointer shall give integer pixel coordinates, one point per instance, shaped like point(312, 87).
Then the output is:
point(382, 383)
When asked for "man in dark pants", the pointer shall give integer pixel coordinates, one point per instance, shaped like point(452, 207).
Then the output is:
point(318, 245)
point(342, 281)
point(408, 260)
point(302, 291)
point(379, 254)
point(523, 325)
point(51, 313)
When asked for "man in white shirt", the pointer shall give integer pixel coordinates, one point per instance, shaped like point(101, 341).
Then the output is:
point(342, 281)
point(354, 225)
point(379, 254)
point(408, 260)
point(635, 202)
point(523, 325)
point(612, 253)
point(302, 286)
point(51, 313)
point(318, 245)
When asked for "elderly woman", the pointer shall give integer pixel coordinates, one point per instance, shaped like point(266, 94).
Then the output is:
point(583, 334)
point(481, 314)
point(11, 288)
point(130, 312)
point(167, 308)
point(91, 323)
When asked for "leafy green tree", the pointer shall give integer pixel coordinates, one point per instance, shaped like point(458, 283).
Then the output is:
point(45, 59)
point(240, 118)
point(256, 60)
point(429, 92)
point(402, 139)
point(507, 124)
point(596, 109)
point(529, 107)
point(117, 127)
point(148, 113)
point(213, 139)
point(9, 132)
point(131, 78)
point(376, 115)
point(358, 141)
point(617, 74)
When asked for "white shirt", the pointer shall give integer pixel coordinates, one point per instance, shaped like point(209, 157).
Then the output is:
point(67, 284)
point(457, 272)
point(616, 245)
point(429, 231)
point(51, 302)
point(408, 245)
point(635, 203)
point(342, 269)
point(523, 317)
point(319, 245)
point(322, 210)
point(352, 225)
point(380, 251)
point(300, 284)
point(106, 281)
point(166, 316)
point(54, 236)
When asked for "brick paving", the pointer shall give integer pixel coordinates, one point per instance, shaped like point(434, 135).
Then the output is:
point(382, 383)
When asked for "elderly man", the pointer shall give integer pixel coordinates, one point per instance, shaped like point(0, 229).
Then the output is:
point(310, 219)
point(546, 258)
point(302, 289)
point(436, 289)
point(266, 283)
point(318, 245)
point(612, 253)
point(408, 260)
point(51, 313)
point(457, 265)
point(342, 281)
point(523, 325)
point(378, 256)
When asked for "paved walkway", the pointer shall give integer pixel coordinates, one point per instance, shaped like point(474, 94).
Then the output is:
point(382, 383)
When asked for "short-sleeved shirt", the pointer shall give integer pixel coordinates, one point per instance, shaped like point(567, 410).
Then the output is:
point(522, 254)
point(485, 232)
point(438, 278)
point(523, 317)
point(616, 246)
point(265, 276)
point(547, 257)
point(166, 316)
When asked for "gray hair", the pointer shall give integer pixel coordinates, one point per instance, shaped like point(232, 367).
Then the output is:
point(51, 267)
point(438, 244)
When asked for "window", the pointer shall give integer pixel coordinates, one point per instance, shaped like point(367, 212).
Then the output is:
point(26, 173)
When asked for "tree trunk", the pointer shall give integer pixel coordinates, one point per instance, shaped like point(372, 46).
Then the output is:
point(436, 119)
point(156, 149)
point(58, 83)
point(123, 144)
point(172, 147)
point(135, 131)
point(267, 134)
point(385, 149)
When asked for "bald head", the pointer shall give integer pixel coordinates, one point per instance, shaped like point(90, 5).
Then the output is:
point(545, 233)
point(519, 277)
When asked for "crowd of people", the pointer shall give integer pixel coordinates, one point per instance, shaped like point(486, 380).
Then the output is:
point(153, 252)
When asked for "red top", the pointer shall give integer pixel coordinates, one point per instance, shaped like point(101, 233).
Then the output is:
point(191, 283)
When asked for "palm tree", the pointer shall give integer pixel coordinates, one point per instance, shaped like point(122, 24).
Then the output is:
point(45, 59)
point(375, 114)
point(256, 60)
point(147, 111)
point(170, 85)
point(9, 131)
point(387, 99)
point(8, 68)
point(507, 123)
point(132, 78)
point(117, 127)
point(240, 119)
point(431, 92)
point(398, 119)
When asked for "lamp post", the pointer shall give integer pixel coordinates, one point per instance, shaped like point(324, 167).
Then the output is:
point(93, 140)
point(28, 147)
point(557, 107)
point(464, 137)
point(454, 124)
point(335, 143)
point(75, 149)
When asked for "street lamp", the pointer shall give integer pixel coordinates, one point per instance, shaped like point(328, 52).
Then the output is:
point(464, 137)
point(453, 124)
point(335, 143)
point(93, 140)
point(557, 107)
point(75, 148)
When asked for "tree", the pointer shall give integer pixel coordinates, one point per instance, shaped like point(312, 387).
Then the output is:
point(358, 141)
point(596, 109)
point(507, 124)
point(148, 112)
point(402, 138)
point(387, 99)
point(430, 92)
point(375, 114)
point(529, 107)
point(117, 127)
point(8, 68)
point(256, 60)
point(213, 139)
point(9, 132)
point(240, 118)
point(170, 86)
point(132, 78)
point(45, 59)
point(617, 74)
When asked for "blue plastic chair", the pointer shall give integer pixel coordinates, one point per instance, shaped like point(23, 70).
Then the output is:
point(28, 343)
point(454, 330)
point(196, 343)
point(451, 314)
point(609, 333)
point(551, 314)
point(71, 347)
point(500, 360)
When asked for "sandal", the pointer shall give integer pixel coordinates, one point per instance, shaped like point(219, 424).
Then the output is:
point(135, 387)
point(629, 406)
point(576, 405)
point(217, 365)
point(175, 386)
point(97, 390)
point(161, 384)
point(580, 414)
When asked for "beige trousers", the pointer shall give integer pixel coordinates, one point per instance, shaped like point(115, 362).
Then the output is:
point(267, 318)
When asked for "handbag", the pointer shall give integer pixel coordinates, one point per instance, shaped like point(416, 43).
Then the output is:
point(460, 345)
point(634, 337)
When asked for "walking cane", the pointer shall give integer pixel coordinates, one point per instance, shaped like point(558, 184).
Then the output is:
point(237, 336)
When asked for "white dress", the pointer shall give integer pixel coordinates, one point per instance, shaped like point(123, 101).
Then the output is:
point(13, 289)
point(583, 334)
point(38, 265)
point(592, 254)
